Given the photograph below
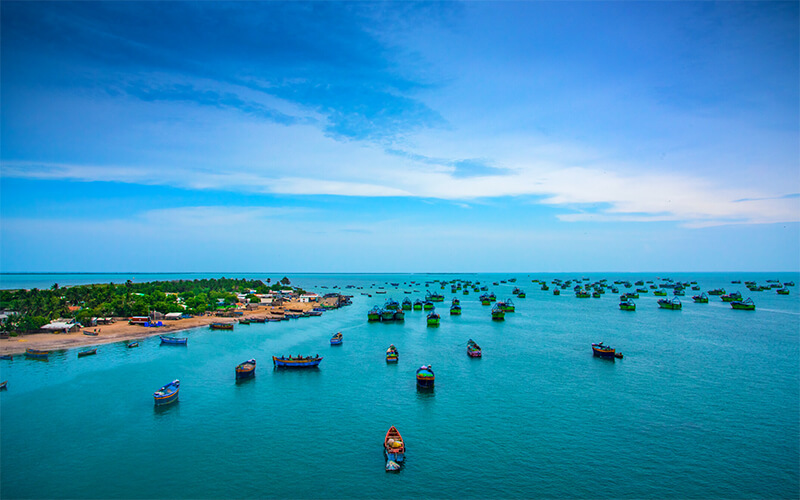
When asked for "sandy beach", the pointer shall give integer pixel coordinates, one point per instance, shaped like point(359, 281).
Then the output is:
point(122, 331)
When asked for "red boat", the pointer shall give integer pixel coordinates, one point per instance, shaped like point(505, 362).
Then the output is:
point(394, 449)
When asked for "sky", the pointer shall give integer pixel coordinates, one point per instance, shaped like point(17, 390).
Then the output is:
point(399, 136)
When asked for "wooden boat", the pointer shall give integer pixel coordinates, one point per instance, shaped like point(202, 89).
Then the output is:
point(604, 351)
point(507, 306)
point(485, 301)
point(418, 305)
point(174, 340)
point(627, 305)
point(521, 295)
point(387, 315)
point(394, 449)
point(221, 326)
point(336, 339)
point(497, 313)
point(556, 291)
point(374, 314)
point(296, 362)
point(659, 293)
point(700, 299)
point(717, 291)
point(782, 291)
point(90, 352)
point(132, 345)
point(473, 349)
point(36, 354)
point(167, 394)
point(7, 356)
point(455, 310)
point(428, 305)
point(4, 385)
point(92, 334)
point(425, 377)
point(399, 315)
point(392, 356)
point(732, 297)
point(674, 304)
point(582, 294)
point(242, 321)
point(744, 305)
point(246, 370)
point(407, 304)
point(391, 305)
point(433, 319)
point(492, 297)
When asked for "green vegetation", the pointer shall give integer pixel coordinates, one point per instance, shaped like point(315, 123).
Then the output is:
point(37, 307)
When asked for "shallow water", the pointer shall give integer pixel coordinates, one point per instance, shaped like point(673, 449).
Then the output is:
point(705, 403)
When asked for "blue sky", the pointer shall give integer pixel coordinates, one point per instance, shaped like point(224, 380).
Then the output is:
point(409, 136)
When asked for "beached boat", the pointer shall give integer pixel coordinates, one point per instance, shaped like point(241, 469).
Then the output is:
point(296, 362)
point(744, 305)
point(425, 377)
point(91, 333)
point(221, 326)
point(674, 304)
point(392, 356)
point(473, 349)
point(132, 345)
point(433, 319)
point(246, 370)
point(374, 314)
point(167, 394)
point(394, 449)
point(336, 339)
point(604, 351)
point(174, 340)
point(497, 313)
point(700, 299)
point(627, 305)
point(90, 352)
point(399, 315)
point(243, 321)
point(36, 354)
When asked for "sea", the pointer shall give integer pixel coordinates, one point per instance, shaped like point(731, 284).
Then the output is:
point(705, 402)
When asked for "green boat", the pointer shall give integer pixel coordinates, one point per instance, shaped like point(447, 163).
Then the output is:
point(497, 313)
point(717, 291)
point(399, 315)
point(433, 319)
point(387, 315)
point(417, 305)
point(428, 305)
point(744, 305)
point(521, 295)
point(782, 291)
point(674, 304)
point(407, 304)
point(582, 294)
point(455, 310)
point(435, 297)
point(485, 300)
point(391, 305)
point(700, 299)
point(374, 314)
point(732, 297)
point(659, 293)
point(465, 292)
point(556, 291)
point(507, 306)
point(492, 297)
point(545, 287)
point(627, 305)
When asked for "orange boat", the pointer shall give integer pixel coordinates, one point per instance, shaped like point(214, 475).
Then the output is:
point(394, 449)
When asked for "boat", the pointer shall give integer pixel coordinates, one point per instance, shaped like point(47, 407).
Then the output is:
point(717, 291)
point(492, 297)
point(435, 297)
point(221, 326)
point(407, 304)
point(91, 334)
point(387, 315)
point(7, 356)
point(521, 295)
point(246, 369)
point(659, 293)
point(392, 356)
point(36, 354)
point(336, 339)
point(374, 314)
point(744, 305)
point(700, 299)
point(243, 321)
point(674, 304)
point(132, 344)
point(485, 301)
point(90, 352)
point(394, 449)
point(582, 294)
point(455, 310)
point(732, 297)
point(428, 305)
point(433, 319)
point(391, 305)
point(399, 315)
point(296, 362)
point(556, 291)
point(167, 394)
point(507, 306)
point(174, 340)
point(455, 302)
point(4, 385)
point(418, 305)
point(782, 291)
point(497, 313)
point(425, 377)
point(473, 349)
point(627, 305)
point(604, 351)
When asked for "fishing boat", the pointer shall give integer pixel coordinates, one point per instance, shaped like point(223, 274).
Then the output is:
point(582, 294)
point(336, 339)
point(36, 354)
point(485, 301)
point(433, 319)
point(492, 297)
point(545, 287)
point(407, 304)
point(744, 305)
point(167, 394)
point(132, 345)
point(221, 326)
point(700, 299)
point(674, 304)
point(391, 305)
point(497, 313)
point(434, 297)
point(374, 314)
point(659, 293)
point(507, 306)
point(399, 315)
point(90, 333)
point(4, 385)
point(425, 377)
point(387, 315)
point(174, 340)
point(473, 349)
point(243, 321)
point(428, 305)
point(732, 297)
point(296, 362)
point(246, 370)
point(556, 291)
point(418, 305)
point(455, 310)
point(394, 449)
point(782, 291)
point(7, 356)
point(392, 356)
point(604, 351)
point(455, 302)
point(90, 352)
point(521, 295)
point(627, 305)
point(717, 291)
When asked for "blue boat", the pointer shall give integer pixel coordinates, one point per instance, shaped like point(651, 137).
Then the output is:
point(296, 362)
point(246, 369)
point(36, 354)
point(425, 377)
point(336, 339)
point(132, 345)
point(167, 394)
point(174, 340)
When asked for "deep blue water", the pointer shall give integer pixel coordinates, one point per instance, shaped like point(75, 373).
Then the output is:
point(705, 403)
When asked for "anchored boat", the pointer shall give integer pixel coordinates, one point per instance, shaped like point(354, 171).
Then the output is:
point(296, 362)
point(425, 377)
point(604, 351)
point(674, 304)
point(433, 319)
point(167, 394)
point(174, 340)
point(627, 305)
point(394, 449)
point(36, 354)
point(336, 339)
point(392, 356)
point(744, 305)
point(90, 352)
point(222, 326)
point(246, 370)
point(473, 349)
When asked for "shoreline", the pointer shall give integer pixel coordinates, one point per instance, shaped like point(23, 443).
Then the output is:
point(122, 331)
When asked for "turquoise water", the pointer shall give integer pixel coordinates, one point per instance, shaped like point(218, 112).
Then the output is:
point(705, 403)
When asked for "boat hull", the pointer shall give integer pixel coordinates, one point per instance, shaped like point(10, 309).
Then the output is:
point(167, 394)
point(173, 341)
point(295, 363)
